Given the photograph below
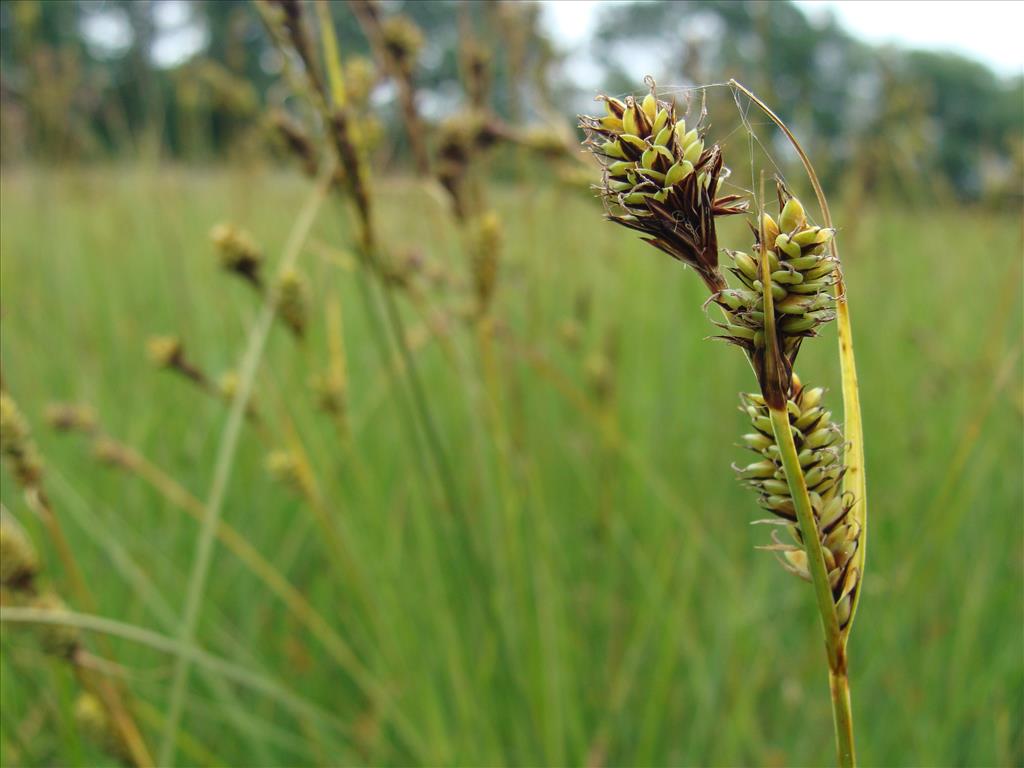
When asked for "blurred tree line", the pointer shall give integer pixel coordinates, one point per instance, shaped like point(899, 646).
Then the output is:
point(83, 80)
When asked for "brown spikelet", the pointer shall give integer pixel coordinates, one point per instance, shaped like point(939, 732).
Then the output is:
point(661, 180)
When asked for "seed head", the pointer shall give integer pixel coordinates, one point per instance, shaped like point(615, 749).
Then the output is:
point(108, 451)
point(460, 137)
point(403, 42)
point(819, 444)
point(227, 385)
point(661, 180)
point(544, 141)
point(361, 77)
point(802, 276)
point(486, 249)
point(71, 417)
point(293, 301)
point(238, 252)
point(165, 351)
point(18, 561)
point(285, 468)
point(476, 71)
point(92, 719)
point(330, 393)
point(296, 139)
point(16, 444)
point(55, 639)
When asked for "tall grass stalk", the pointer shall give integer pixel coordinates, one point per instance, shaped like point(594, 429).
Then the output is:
point(236, 674)
point(222, 468)
point(350, 157)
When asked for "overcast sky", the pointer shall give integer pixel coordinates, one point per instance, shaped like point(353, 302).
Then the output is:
point(984, 30)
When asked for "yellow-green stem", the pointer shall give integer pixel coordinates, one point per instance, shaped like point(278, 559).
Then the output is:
point(809, 532)
point(842, 716)
point(834, 646)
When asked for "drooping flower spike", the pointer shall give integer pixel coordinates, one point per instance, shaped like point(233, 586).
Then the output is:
point(661, 180)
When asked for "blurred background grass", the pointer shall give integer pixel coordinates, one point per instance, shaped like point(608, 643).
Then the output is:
point(599, 600)
point(634, 606)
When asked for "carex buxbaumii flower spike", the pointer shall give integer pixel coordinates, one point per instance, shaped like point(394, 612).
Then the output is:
point(661, 179)
point(802, 275)
point(819, 443)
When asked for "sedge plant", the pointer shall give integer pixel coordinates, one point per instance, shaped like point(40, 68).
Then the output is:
point(662, 178)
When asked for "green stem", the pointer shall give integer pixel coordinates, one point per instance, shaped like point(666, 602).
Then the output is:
point(841, 713)
point(842, 716)
point(222, 472)
point(809, 533)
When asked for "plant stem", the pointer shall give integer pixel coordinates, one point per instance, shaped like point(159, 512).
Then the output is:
point(838, 681)
point(222, 472)
point(809, 533)
point(776, 391)
point(842, 716)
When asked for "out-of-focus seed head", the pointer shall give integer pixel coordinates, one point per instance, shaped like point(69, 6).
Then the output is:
point(292, 300)
point(16, 444)
point(18, 561)
point(55, 639)
point(460, 136)
point(361, 77)
point(227, 385)
point(544, 140)
point(475, 59)
point(14, 430)
point(108, 451)
point(285, 468)
point(403, 41)
point(486, 250)
point(94, 722)
point(296, 139)
point(330, 393)
point(71, 417)
point(165, 351)
point(238, 252)
point(661, 180)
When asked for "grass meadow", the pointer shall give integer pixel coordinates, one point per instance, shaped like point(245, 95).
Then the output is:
point(595, 598)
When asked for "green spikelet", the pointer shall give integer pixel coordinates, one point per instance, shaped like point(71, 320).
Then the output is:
point(820, 445)
point(802, 273)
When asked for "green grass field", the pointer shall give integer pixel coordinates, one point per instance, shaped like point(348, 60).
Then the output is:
point(595, 598)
